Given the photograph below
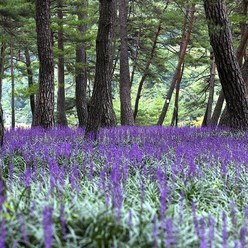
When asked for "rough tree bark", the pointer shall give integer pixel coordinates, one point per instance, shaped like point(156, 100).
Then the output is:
point(240, 53)
point(100, 105)
point(230, 75)
point(187, 28)
point(108, 116)
point(61, 113)
point(44, 111)
point(125, 84)
point(81, 71)
point(30, 81)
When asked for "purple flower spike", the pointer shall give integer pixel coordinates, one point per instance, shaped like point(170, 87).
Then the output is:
point(224, 230)
point(242, 235)
point(48, 226)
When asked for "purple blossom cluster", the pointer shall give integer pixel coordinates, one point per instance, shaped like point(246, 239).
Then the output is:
point(168, 177)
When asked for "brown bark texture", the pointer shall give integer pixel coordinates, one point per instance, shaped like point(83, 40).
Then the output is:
point(187, 28)
point(81, 73)
point(44, 111)
point(101, 107)
point(125, 84)
point(229, 71)
point(61, 110)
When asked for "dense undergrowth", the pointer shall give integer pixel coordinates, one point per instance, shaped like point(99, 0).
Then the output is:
point(133, 187)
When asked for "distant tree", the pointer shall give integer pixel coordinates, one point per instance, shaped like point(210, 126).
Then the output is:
point(127, 117)
point(101, 102)
point(61, 114)
point(2, 55)
point(81, 70)
point(44, 111)
point(186, 32)
point(30, 81)
point(1, 125)
point(12, 86)
point(229, 71)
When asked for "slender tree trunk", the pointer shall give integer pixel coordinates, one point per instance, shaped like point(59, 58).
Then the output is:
point(230, 75)
point(188, 24)
point(174, 120)
point(12, 87)
point(2, 50)
point(217, 110)
point(208, 113)
point(146, 70)
point(135, 60)
point(125, 84)
point(101, 102)
point(44, 111)
point(81, 72)
point(61, 113)
point(30, 81)
point(1, 125)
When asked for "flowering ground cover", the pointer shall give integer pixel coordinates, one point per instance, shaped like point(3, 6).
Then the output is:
point(134, 187)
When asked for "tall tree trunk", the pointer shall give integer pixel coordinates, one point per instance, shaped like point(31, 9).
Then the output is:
point(3, 47)
point(207, 116)
point(230, 75)
point(187, 28)
point(146, 70)
point(174, 120)
point(125, 84)
point(61, 114)
point(1, 125)
point(44, 111)
point(108, 116)
point(101, 102)
point(12, 87)
point(240, 53)
point(30, 81)
point(81, 72)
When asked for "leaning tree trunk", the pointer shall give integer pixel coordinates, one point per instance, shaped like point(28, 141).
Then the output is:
point(1, 125)
point(187, 28)
point(81, 72)
point(230, 75)
point(146, 70)
point(240, 53)
point(44, 111)
point(125, 84)
point(61, 114)
point(30, 81)
point(174, 120)
point(101, 104)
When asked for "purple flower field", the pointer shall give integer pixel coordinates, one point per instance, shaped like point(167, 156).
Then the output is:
point(133, 187)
